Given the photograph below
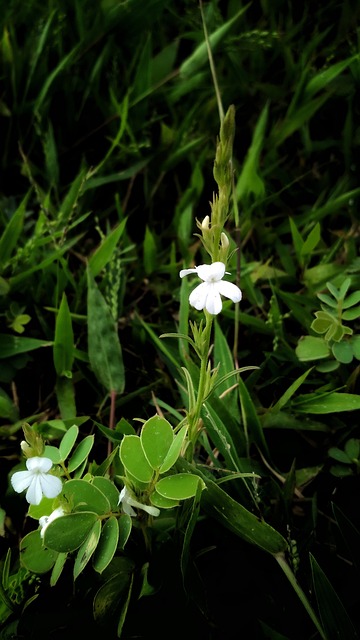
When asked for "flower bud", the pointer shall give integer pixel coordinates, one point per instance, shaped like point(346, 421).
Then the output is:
point(224, 240)
point(26, 449)
point(205, 223)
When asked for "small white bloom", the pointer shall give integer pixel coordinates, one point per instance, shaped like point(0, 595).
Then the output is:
point(44, 521)
point(37, 480)
point(207, 294)
point(128, 502)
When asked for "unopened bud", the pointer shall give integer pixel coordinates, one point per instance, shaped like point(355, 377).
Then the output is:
point(224, 240)
point(26, 449)
point(205, 223)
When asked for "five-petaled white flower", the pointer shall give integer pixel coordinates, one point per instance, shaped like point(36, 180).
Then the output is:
point(37, 480)
point(44, 521)
point(128, 502)
point(207, 294)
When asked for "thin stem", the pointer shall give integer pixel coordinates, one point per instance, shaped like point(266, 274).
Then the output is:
point(202, 388)
point(238, 266)
point(212, 65)
point(280, 558)
point(111, 417)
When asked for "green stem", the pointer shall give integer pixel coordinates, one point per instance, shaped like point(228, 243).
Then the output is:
point(202, 388)
point(280, 558)
point(212, 65)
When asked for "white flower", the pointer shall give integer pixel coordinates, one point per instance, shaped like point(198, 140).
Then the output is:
point(207, 294)
point(128, 502)
point(37, 480)
point(44, 521)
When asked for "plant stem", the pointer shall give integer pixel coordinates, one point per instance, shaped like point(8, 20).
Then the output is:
point(212, 66)
point(202, 391)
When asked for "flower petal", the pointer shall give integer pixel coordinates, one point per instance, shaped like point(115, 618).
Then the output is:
point(154, 511)
point(34, 494)
point(186, 272)
point(128, 510)
point(36, 463)
point(128, 502)
point(50, 485)
point(229, 290)
point(211, 272)
point(213, 301)
point(198, 297)
point(123, 499)
point(122, 495)
point(44, 521)
point(21, 480)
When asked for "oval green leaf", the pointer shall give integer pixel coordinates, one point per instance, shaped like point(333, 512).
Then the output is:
point(174, 451)
point(179, 487)
point(125, 526)
point(108, 489)
point(156, 439)
point(312, 348)
point(43, 509)
point(69, 532)
point(163, 503)
point(107, 545)
point(352, 448)
point(343, 352)
point(68, 441)
point(83, 496)
point(34, 556)
point(57, 569)
point(111, 596)
point(134, 460)
point(339, 455)
point(87, 549)
point(52, 453)
point(81, 453)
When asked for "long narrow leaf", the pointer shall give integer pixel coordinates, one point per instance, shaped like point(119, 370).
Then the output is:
point(333, 614)
point(11, 234)
point(103, 341)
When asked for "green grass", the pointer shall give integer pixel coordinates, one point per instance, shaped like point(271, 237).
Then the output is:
point(109, 124)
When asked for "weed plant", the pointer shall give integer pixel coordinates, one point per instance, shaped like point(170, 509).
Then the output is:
point(111, 119)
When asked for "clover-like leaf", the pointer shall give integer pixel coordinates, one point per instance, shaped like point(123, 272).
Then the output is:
point(312, 348)
point(351, 300)
point(323, 322)
point(342, 351)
